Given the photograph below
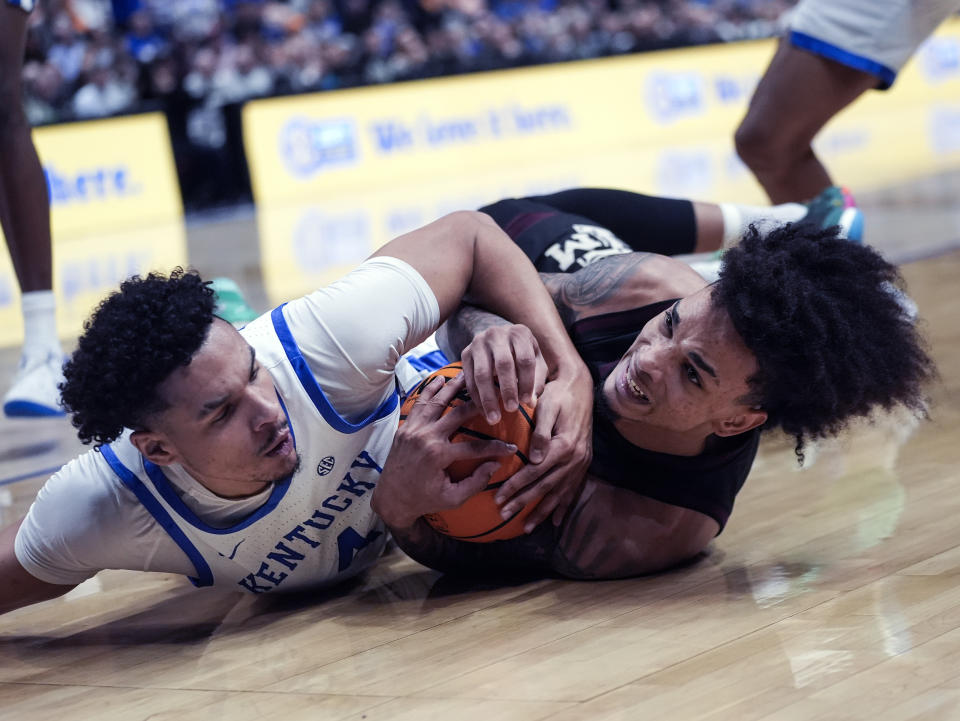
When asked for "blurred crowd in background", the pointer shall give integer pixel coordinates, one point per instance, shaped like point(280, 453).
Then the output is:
point(198, 60)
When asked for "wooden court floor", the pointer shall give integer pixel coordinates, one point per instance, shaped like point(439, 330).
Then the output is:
point(834, 593)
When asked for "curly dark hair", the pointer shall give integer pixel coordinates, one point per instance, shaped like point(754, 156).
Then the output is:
point(133, 341)
point(822, 317)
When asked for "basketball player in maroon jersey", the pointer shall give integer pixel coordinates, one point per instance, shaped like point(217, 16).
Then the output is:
point(802, 332)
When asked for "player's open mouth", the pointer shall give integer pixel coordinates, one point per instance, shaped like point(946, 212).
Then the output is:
point(633, 387)
point(282, 446)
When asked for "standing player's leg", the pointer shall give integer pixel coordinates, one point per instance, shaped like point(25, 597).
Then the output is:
point(797, 95)
point(25, 218)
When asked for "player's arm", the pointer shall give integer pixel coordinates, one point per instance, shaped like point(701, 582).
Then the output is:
point(612, 284)
point(465, 255)
point(526, 554)
point(19, 588)
point(615, 532)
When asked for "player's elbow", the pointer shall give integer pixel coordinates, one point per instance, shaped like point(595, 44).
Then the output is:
point(467, 223)
point(460, 233)
point(18, 587)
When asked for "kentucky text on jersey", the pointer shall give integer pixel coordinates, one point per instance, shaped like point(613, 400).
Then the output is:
point(308, 534)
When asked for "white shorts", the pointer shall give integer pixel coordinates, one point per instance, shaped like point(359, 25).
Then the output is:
point(875, 36)
point(25, 5)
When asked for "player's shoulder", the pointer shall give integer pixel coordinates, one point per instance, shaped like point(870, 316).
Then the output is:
point(659, 277)
point(83, 520)
point(85, 488)
point(625, 281)
point(380, 281)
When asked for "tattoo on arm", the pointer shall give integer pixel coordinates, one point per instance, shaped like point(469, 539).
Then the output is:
point(599, 281)
point(556, 284)
point(460, 328)
point(573, 294)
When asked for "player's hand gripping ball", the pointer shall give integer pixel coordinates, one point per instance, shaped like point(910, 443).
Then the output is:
point(478, 520)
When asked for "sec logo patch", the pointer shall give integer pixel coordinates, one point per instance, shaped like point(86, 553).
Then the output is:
point(325, 465)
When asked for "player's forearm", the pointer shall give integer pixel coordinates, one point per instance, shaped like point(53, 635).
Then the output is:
point(505, 282)
point(467, 321)
point(19, 592)
point(527, 554)
point(466, 256)
point(427, 547)
point(18, 588)
point(463, 326)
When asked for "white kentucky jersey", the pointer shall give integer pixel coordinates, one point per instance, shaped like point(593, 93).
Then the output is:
point(332, 356)
point(317, 525)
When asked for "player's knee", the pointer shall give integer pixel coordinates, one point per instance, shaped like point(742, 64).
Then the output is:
point(755, 143)
point(765, 146)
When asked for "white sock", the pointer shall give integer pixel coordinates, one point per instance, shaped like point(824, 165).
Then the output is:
point(40, 338)
point(737, 218)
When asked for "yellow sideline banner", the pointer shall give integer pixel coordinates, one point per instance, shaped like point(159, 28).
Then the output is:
point(337, 174)
point(354, 140)
point(115, 210)
point(106, 175)
point(307, 147)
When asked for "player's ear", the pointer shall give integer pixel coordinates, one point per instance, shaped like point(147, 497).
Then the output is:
point(154, 447)
point(740, 422)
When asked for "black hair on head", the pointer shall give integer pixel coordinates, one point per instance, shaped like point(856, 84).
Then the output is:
point(821, 316)
point(133, 341)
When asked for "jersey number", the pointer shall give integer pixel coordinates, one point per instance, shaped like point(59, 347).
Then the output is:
point(349, 543)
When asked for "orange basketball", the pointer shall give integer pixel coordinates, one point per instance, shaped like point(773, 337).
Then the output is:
point(478, 519)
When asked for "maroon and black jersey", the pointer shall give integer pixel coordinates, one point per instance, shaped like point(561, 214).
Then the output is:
point(707, 483)
point(566, 231)
point(562, 234)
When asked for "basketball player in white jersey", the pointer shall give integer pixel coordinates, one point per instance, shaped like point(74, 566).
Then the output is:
point(248, 459)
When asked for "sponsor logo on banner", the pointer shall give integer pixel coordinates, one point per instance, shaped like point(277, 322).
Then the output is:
point(309, 146)
point(734, 89)
point(85, 186)
point(659, 122)
point(944, 127)
point(105, 175)
point(940, 58)
point(313, 145)
point(392, 135)
point(671, 96)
